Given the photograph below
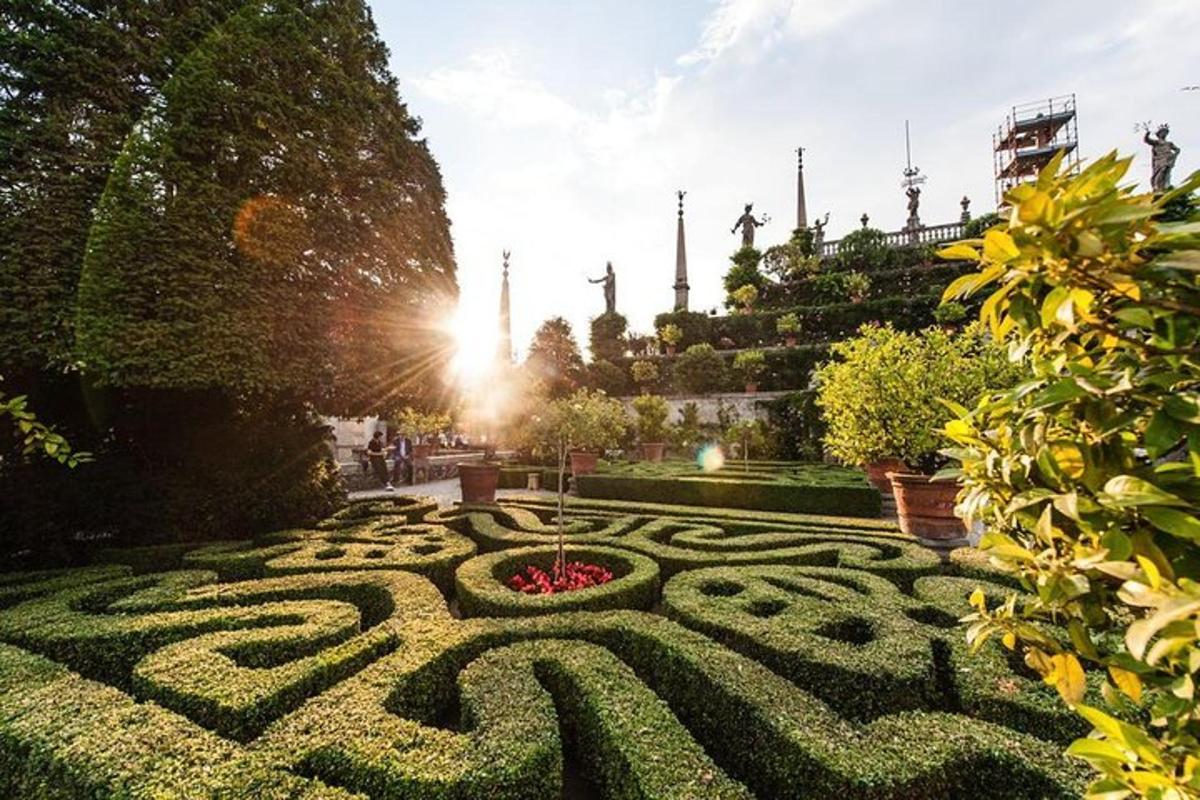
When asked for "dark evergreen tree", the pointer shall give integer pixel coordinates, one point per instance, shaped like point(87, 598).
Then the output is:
point(607, 340)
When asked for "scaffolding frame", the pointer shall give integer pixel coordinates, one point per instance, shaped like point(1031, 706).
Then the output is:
point(1031, 135)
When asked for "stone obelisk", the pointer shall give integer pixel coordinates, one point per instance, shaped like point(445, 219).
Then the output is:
point(801, 209)
point(504, 349)
point(681, 284)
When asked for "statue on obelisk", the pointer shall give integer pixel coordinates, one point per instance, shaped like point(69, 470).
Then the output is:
point(748, 223)
point(1162, 157)
point(681, 278)
point(609, 280)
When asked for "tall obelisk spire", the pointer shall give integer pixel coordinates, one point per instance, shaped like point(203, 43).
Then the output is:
point(681, 284)
point(801, 210)
point(504, 350)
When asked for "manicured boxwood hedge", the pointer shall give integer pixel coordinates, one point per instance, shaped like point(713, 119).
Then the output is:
point(816, 489)
point(481, 583)
point(799, 656)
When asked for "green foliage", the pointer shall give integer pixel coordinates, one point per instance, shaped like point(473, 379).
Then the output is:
point(950, 312)
point(554, 357)
point(1087, 473)
point(882, 395)
point(644, 372)
point(857, 285)
point(256, 217)
point(747, 484)
point(695, 327)
point(976, 227)
point(793, 260)
point(75, 82)
point(700, 370)
point(744, 296)
point(865, 249)
point(788, 324)
point(607, 377)
point(652, 412)
point(36, 436)
point(420, 424)
point(608, 336)
point(670, 334)
point(750, 364)
point(744, 270)
point(745, 437)
point(686, 434)
point(481, 583)
point(798, 430)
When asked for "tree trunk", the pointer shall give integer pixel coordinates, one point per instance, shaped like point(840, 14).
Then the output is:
point(562, 469)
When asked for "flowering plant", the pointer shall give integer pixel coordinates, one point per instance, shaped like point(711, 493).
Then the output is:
point(575, 575)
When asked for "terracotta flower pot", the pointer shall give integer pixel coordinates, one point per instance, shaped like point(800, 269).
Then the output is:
point(583, 463)
point(653, 451)
point(791, 341)
point(670, 349)
point(925, 507)
point(751, 388)
point(877, 473)
point(479, 482)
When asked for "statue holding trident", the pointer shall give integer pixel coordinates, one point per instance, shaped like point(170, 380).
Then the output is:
point(1162, 157)
point(748, 223)
point(610, 289)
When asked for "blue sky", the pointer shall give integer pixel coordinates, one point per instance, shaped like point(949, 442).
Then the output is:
point(563, 129)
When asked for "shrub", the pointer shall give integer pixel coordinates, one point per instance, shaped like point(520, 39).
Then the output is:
point(865, 249)
point(700, 370)
point(695, 327)
point(788, 324)
point(670, 334)
point(744, 296)
point(644, 373)
point(950, 312)
point(418, 425)
point(750, 365)
point(1086, 473)
point(607, 377)
point(652, 412)
point(481, 584)
point(857, 286)
point(882, 397)
point(608, 336)
point(744, 270)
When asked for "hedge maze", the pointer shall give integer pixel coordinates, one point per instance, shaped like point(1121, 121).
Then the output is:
point(735, 655)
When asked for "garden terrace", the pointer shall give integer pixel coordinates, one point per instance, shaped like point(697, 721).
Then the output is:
point(736, 654)
point(759, 485)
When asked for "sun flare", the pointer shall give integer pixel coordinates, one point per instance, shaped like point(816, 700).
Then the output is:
point(475, 342)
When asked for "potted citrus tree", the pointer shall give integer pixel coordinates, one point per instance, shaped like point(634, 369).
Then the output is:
point(883, 402)
point(857, 286)
point(644, 373)
point(670, 335)
point(788, 326)
point(652, 412)
point(745, 296)
point(750, 364)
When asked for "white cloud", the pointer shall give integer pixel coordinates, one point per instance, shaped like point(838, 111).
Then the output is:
point(749, 28)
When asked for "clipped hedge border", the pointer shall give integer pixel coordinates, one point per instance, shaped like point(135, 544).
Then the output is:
point(850, 501)
point(481, 590)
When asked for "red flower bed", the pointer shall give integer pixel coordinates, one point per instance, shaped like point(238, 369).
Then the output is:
point(577, 575)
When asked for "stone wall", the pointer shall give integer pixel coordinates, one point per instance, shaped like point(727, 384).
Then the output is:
point(746, 405)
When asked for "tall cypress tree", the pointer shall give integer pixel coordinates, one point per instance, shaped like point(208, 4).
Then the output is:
point(273, 227)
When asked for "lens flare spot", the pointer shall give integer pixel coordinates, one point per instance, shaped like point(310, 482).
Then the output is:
point(710, 458)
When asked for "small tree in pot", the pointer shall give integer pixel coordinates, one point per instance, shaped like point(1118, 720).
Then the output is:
point(644, 373)
point(882, 400)
point(788, 326)
point(745, 296)
point(670, 335)
point(750, 364)
point(652, 412)
point(585, 419)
